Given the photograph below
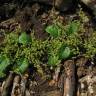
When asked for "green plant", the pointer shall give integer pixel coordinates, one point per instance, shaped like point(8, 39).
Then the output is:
point(62, 47)
point(64, 52)
point(22, 65)
point(73, 28)
point(53, 61)
point(22, 51)
point(53, 30)
point(4, 63)
point(24, 38)
point(65, 41)
point(53, 47)
point(90, 45)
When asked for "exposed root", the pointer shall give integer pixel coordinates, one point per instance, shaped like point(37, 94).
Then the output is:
point(23, 84)
point(7, 84)
point(69, 78)
point(15, 86)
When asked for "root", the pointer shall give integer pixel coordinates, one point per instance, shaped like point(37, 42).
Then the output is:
point(7, 84)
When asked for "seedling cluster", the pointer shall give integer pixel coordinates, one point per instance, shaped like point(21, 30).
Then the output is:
point(20, 50)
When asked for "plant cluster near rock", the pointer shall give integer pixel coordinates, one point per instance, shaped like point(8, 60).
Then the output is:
point(47, 48)
point(20, 50)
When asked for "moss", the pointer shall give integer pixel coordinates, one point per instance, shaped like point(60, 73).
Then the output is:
point(38, 52)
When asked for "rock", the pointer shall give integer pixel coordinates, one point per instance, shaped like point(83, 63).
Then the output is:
point(48, 2)
point(63, 5)
point(7, 11)
point(90, 4)
point(8, 25)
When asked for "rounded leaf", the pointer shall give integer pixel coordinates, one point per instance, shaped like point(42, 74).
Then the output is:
point(24, 38)
point(4, 63)
point(64, 52)
point(22, 66)
point(73, 27)
point(53, 30)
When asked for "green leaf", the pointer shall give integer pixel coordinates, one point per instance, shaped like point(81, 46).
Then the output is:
point(4, 63)
point(64, 52)
point(53, 30)
point(53, 60)
point(73, 28)
point(22, 66)
point(2, 74)
point(24, 38)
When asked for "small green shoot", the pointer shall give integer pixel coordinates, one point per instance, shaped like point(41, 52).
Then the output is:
point(73, 28)
point(22, 66)
point(4, 63)
point(53, 30)
point(24, 38)
point(64, 52)
point(53, 61)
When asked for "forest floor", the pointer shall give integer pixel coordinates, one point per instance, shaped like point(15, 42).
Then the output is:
point(79, 75)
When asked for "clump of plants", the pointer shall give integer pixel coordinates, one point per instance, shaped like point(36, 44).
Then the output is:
point(20, 50)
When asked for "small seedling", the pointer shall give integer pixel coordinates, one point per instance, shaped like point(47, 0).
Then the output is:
point(4, 63)
point(22, 66)
point(53, 30)
point(24, 38)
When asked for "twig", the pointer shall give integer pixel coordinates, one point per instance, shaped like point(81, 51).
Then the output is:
point(7, 84)
point(56, 75)
point(23, 84)
point(2, 87)
point(15, 85)
point(69, 79)
point(28, 93)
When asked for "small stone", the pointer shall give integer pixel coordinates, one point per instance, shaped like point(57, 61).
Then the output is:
point(63, 5)
point(82, 86)
point(90, 4)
